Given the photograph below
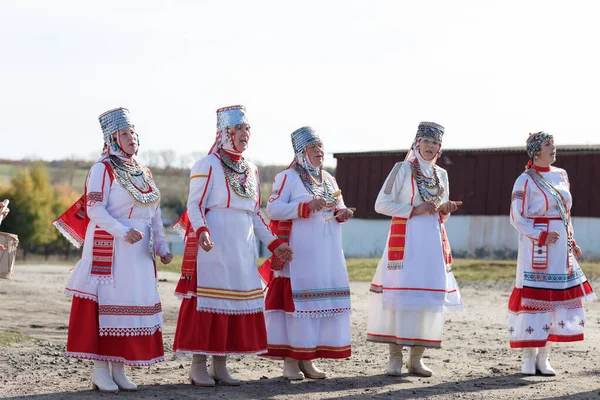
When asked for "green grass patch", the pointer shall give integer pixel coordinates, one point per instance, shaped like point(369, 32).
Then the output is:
point(465, 269)
point(10, 338)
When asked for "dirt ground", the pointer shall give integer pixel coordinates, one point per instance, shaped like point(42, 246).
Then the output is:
point(475, 362)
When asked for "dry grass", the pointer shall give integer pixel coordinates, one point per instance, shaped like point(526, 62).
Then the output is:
point(363, 269)
point(9, 338)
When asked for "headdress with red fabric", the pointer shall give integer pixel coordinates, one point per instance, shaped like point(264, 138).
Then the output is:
point(73, 223)
point(534, 142)
point(228, 120)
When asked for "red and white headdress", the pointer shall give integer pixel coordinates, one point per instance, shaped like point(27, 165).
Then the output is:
point(426, 130)
point(228, 119)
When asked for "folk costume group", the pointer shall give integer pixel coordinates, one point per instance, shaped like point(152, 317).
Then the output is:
point(296, 306)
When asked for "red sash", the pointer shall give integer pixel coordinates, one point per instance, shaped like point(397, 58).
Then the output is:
point(396, 243)
point(446, 247)
point(73, 225)
point(190, 252)
point(283, 230)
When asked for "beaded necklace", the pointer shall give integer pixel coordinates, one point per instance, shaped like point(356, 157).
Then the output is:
point(136, 180)
point(317, 185)
point(424, 183)
point(238, 176)
point(560, 202)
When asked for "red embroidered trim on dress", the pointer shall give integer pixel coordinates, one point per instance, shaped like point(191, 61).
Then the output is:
point(94, 197)
point(102, 254)
point(144, 331)
point(109, 309)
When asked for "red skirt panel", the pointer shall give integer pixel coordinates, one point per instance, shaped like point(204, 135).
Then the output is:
point(543, 343)
point(571, 293)
point(279, 295)
point(200, 332)
point(84, 341)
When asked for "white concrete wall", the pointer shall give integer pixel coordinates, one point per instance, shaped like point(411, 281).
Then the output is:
point(481, 236)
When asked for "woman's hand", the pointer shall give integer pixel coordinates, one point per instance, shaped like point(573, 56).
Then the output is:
point(577, 252)
point(166, 258)
point(426, 207)
point(316, 204)
point(449, 207)
point(284, 252)
point(552, 238)
point(204, 241)
point(133, 236)
point(2, 248)
point(344, 214)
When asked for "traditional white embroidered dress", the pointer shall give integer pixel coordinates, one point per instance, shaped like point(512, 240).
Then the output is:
point(546, 303)
point(408, 296)
point(308, 301)
point(222, 312)
point(118, 316)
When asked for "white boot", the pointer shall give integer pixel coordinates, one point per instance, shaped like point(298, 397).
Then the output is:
point(291, 369)
point(218, 371)
point(542, 363)
point(101, 379)
point(528, 366)
point(394, 367)
point(121, 379)
point(415, 363)
point(198, 374)
point(310, 370)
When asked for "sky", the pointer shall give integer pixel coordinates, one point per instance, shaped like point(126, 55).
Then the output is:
point(362, 73)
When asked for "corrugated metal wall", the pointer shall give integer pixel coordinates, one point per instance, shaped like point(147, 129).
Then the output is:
point(483, 180)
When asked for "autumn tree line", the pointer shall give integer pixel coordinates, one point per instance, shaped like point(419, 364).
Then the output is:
point(40, 191)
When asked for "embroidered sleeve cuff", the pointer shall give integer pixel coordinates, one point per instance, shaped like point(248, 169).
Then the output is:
point(202, 229)
point(274, 244)
point(303, 210)
point(542, 238)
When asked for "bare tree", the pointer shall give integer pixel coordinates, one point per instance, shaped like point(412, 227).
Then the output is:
point(168, 158)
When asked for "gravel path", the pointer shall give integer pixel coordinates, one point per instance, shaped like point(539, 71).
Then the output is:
point(475, 362)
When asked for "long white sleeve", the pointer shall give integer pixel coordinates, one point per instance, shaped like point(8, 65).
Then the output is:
point(386, 202)
point(161, 244)
point(521, 195)
point(280, 206)
point(201, 182)
point(261, 229)
point(97, 190)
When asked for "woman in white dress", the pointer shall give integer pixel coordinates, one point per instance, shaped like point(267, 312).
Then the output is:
point(413, 285)
point(546, 304)
point(308, 299)
point(116, 314)
point(222, 309)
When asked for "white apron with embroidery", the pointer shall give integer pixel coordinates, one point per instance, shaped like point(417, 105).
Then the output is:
point(544, 267)
point(318, 275)
point(407, 304)
point(128, 303)
point(227, 281)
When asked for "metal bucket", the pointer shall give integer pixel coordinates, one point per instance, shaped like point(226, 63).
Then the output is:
point(7, 257)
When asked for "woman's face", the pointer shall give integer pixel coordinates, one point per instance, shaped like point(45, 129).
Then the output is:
point(428, 148)
point(241, 138)
point(128, 140)
point(547, 154)
point(316, 154)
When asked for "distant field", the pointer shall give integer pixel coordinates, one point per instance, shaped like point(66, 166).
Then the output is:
point(172, 185)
